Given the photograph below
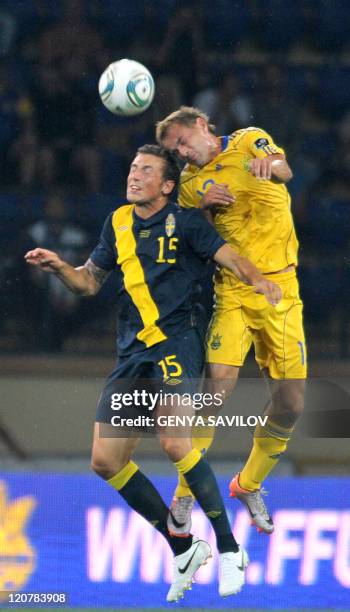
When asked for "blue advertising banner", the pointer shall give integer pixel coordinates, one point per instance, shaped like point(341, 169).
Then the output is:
point(73, 534)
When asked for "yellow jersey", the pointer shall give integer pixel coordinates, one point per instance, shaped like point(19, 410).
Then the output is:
point(259, 225)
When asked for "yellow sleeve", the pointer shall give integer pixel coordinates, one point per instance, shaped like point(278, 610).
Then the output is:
point(186, 197)
point(259, 143)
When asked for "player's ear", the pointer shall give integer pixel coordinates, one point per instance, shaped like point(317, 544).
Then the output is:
point(202, 123)
point(168, 187)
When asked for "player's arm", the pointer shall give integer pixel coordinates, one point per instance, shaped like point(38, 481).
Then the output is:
point(269, 162)
point(248, 273)
point(84, 280)
point(272, 167)
point(205, 241)
point(216, 195)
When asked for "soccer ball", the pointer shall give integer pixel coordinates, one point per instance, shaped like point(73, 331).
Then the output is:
point(126, 87)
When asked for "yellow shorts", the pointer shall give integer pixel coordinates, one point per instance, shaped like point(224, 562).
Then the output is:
point(242, 318)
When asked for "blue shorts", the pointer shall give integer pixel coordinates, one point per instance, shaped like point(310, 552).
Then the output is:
point(172, 366)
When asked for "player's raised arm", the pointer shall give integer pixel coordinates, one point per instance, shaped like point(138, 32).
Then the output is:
point(248, 273)
point(272, 167)
point(84, 280)
point(269, 162)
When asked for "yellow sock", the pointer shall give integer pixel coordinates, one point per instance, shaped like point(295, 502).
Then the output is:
point(182, 489)
point(189, 461)
point(201, 444)
point(118, 481)
point(270, 441)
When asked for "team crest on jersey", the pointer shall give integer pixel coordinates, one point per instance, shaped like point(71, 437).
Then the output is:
point(170, 225)
point(216, 342)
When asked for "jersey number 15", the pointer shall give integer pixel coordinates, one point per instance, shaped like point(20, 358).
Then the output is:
point(165, 245)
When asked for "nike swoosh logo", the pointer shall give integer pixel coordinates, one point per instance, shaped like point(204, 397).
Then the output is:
point(176, 523)
point(182, 570)
point(241, 567)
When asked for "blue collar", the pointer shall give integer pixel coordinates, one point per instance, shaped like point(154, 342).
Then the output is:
point(224, 142)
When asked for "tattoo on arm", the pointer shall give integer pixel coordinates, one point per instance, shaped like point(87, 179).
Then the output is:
point(99, 275)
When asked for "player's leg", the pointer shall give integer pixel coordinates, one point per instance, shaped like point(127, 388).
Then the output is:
point(200, 478)
point(271, 440)
point(229, 340)
point(111, 455)
point(111, 460)
point(280, 351)
point(188, 353)
point(219, 377)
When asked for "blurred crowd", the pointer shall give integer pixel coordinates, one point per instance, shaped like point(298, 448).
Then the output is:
point(283, 66)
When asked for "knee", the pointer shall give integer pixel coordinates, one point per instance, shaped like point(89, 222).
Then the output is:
point(101, 468)
point(221, 377)
point(298, 408)
point(105, 467)
point(291, 407)
point(294, 406)
point(175, 448)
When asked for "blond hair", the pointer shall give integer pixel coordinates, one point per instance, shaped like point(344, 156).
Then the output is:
point(185, 115)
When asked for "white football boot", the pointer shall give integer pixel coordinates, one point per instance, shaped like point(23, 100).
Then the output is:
point(185, 567)
point(232, 571)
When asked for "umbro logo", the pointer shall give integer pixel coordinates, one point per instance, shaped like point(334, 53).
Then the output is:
point(218, 167)
point(122, 228)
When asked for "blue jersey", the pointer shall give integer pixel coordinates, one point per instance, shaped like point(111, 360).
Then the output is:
point(160, 260)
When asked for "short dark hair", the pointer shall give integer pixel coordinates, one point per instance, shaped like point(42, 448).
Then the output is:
point(171, 168)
